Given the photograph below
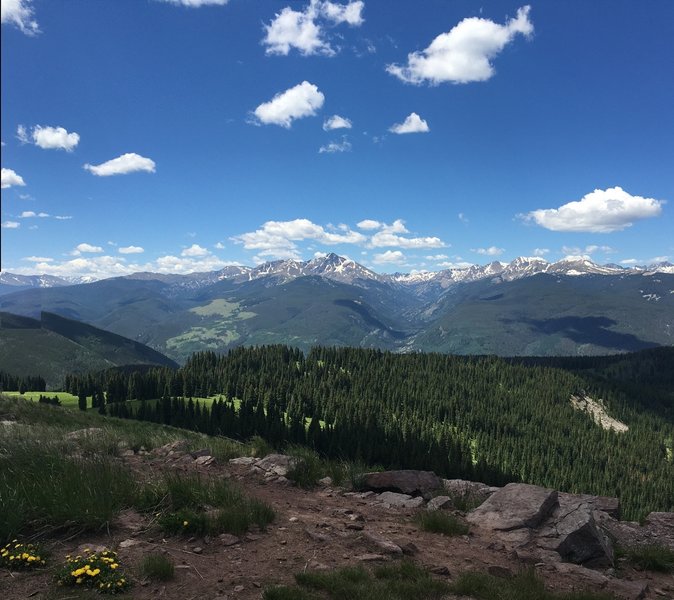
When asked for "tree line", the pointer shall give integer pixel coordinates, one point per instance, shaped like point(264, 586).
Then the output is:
point(482, 418)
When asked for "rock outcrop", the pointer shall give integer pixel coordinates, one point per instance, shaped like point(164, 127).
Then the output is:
point(403, 482)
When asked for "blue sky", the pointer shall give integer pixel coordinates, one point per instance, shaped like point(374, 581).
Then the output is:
point(183, 135)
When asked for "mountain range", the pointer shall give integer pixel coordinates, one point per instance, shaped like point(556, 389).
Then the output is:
point(526, 307)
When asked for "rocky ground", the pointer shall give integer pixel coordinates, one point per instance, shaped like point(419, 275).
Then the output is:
point(330, 527)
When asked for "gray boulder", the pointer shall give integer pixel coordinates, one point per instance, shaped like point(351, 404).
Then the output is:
point(578, 539)
point(276, 464)
point(400, 500)
point(515, 506)
point(404, 482)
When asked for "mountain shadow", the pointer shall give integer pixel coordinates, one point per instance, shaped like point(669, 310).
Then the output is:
point(590, 330)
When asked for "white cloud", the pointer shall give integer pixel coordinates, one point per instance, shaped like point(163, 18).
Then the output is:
point(412, 124)
point(351, 13)
point(388, 236)
point(295, 29)
point(88, 248)
point(389, 257)
point(38, 259)
point(332, 147)
point(458, 264)
point(300, 101)
point(195, 250)
point(57, 138)
point(219, 246)
point(197, 3)
point(20, 14)
point(8, 178)
point(541, 251)
point(463, 54)
point(277, 238)
point(369, 224)
point(601, 211)
point(131, 250)
point(62, 217)
point(491, 251)
point(22, 134)
point(126, 163)
point(437, 257)
point(29, 214)
point(10, 225)
point(336, 122)
point(463, 218)
point(303, 30)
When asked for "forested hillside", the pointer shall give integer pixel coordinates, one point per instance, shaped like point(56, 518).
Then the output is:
point(481, 418)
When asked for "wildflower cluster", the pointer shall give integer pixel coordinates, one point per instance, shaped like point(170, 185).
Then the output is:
point(16, 555)
point(94, 570)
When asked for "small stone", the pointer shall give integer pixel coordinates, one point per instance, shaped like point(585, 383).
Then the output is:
point(239, 588)
point(128, 543)
point(355, 526)
point(228, 539)
point(440, 570)
point(293, 519)
point(409, 549)
point(197, 550)
point(370, 557)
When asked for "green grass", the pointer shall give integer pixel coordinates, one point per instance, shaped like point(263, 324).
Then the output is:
point(181, 501)
point(437, 521)
point(401, 581)
point(48, 482)
point(157, 566)
point(43, 488)
point(523, 586)
point(67, 400)
point(653, 557)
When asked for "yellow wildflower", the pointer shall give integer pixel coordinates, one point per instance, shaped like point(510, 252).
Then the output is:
point(78, 580)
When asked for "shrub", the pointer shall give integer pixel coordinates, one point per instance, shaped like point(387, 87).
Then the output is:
point(307, 468)
point(19, 556)
point(157, 566)
point(437, 521)
point(181, 501)
point(96, 570)
point(653, 557)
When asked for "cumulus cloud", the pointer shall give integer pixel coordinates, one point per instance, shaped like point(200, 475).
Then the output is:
point(388, 235)
point(195, 250)
point(52, 138)
point(332, 147)
point(463, 54)
point(336, 122)
point(541, 251)
point(11, 225)
point(389, 257)
point(587, 250)
point(351, 13)
point(437, 257)
point(412, 124)
point(456, 264)
point(87, 248)
point(600, 211)
point(126, 163)
point(219, 246)
point(302, 100)
point(369, 224)
point(20, 14)
point(8, 178)
point(131, 250)
point(491, 251)
point(278, 238)
point(304, 31)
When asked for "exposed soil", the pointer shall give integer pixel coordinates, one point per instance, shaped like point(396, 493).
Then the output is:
point(323, 528)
